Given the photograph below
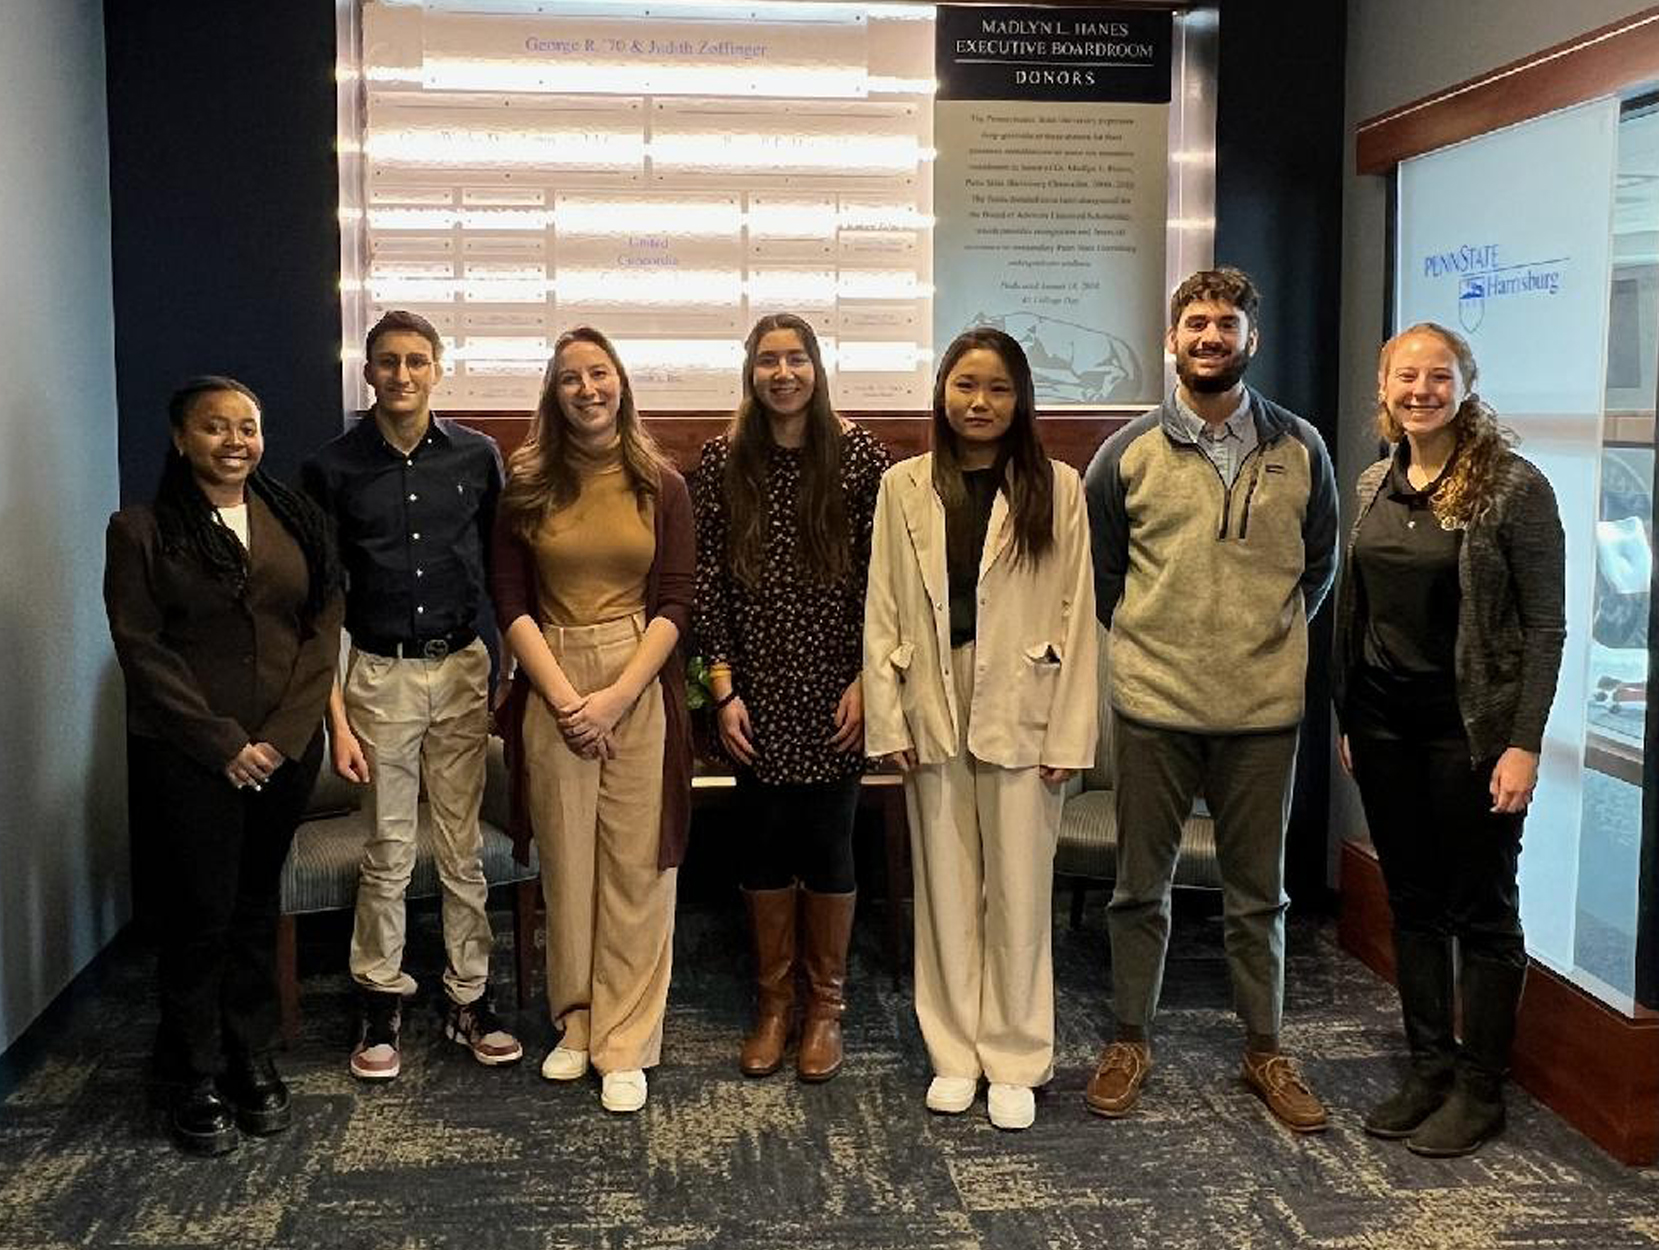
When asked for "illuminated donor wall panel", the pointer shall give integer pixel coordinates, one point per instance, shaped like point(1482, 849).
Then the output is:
point(668, 176)
point(1508, 239)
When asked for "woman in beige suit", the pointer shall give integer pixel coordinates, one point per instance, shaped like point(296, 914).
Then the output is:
point(979, 672)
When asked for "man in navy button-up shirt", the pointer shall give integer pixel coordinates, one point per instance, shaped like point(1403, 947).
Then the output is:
point(413, 498)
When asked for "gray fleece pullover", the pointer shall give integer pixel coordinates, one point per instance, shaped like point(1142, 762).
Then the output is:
point(1207, 589)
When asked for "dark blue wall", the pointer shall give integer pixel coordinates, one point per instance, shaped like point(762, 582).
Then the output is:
point(224, 197)
point(1279, 154)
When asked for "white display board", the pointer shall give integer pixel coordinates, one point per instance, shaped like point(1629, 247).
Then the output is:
point(1507, 238)
point(668, 174)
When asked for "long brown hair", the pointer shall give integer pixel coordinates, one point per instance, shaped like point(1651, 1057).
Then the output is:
point(1022, 470)
point(1481, 440)
point(541, 477)
point(820, 505)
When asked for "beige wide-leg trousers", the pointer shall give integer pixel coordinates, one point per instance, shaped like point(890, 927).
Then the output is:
point(983, 840)
point(422, 720)
point(610, 910)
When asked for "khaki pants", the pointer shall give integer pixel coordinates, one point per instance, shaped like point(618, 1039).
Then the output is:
point(983, 841)
point(610, 910)
point(422, 718)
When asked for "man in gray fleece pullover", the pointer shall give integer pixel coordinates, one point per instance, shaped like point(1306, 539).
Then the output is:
point(1214, 527)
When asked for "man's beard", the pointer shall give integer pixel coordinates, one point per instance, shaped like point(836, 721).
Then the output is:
point(1212, 383)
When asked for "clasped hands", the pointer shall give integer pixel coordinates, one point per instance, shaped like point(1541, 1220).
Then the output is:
point(587, 722)
point(253, 765)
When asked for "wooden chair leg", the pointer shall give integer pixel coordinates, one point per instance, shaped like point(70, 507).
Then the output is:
point(288, 984)
point(524, 934)
point(897, 833)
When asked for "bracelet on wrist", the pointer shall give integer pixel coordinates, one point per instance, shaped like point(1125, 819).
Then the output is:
point(723, 700)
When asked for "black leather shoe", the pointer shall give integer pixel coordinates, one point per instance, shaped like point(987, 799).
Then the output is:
point(252, 1086)
point(201, 1122)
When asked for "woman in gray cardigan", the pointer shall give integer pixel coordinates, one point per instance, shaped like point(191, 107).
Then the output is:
point(1450, 623)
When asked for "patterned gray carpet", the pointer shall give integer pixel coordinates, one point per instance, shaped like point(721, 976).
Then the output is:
point(455, 1155)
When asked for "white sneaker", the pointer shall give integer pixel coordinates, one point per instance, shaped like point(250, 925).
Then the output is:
point(951, 1095)
point(564, 1065)
point(623, 1091)
point(1011, 1106)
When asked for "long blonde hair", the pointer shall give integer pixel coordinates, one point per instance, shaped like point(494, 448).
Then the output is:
point(541, 475)
point(1481, 441)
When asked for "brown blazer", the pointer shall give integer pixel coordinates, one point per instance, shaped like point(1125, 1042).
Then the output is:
point(207, 669)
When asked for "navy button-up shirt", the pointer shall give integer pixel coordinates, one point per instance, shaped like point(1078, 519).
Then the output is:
point(414, 529)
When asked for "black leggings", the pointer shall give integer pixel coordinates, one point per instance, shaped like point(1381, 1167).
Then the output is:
point(802, 832)
point(1449, 861)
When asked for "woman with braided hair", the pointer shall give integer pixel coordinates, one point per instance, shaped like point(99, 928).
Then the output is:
point(224, 603)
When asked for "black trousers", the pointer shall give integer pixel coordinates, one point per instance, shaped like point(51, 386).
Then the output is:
point(802, 832)
point(214, 855)
point(1450, 863)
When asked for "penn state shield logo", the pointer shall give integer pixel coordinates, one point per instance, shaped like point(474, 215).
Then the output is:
point(1471, 303)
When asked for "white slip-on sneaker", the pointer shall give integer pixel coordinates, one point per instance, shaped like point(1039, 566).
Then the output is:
point(951, 1095)
point(1011, 1106)
point(623, 1091)
point(564, 1065)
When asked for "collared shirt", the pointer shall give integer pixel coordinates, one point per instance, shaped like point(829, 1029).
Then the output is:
point(1226, 444)
point(413, 529)
point(1406, 565)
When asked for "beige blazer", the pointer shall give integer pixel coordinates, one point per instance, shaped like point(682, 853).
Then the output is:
point(1034, 700)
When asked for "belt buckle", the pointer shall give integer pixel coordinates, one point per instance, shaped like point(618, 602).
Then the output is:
point(435, 648)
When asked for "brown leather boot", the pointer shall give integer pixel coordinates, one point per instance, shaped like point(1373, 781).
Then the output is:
point(772, 926)
point(828, 921)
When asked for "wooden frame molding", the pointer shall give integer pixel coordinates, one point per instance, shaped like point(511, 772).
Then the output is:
point(1593, 64)
point(1595, 1066)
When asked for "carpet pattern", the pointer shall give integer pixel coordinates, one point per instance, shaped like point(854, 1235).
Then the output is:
point(452, 1154)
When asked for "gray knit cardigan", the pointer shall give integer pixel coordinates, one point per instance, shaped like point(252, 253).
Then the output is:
point(1511, 619)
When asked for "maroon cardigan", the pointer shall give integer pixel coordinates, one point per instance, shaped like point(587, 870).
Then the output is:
point(668, 589)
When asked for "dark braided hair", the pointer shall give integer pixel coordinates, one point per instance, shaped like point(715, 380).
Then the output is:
point(189, 523)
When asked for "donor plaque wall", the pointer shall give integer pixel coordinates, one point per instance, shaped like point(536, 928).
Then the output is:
point(671, 172)
point(1050, 192)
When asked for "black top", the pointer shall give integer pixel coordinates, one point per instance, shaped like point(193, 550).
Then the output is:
point(413, 530)
point(1511, 608)
point(1407, 568)
point(981, 485)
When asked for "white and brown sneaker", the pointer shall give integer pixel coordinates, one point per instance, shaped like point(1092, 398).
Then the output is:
point(375, 1057)
point(475, 1026)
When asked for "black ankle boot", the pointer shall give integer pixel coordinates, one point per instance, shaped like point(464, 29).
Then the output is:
point(253, 1087)
point(1423, 972)
point(1490, 990)
point(1403, 1111)
point(1471, 1114)
point(200, 1121)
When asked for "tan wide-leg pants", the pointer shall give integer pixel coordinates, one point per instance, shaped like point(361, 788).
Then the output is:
point(983, 840)
point(422, 718)
point(610, 911)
